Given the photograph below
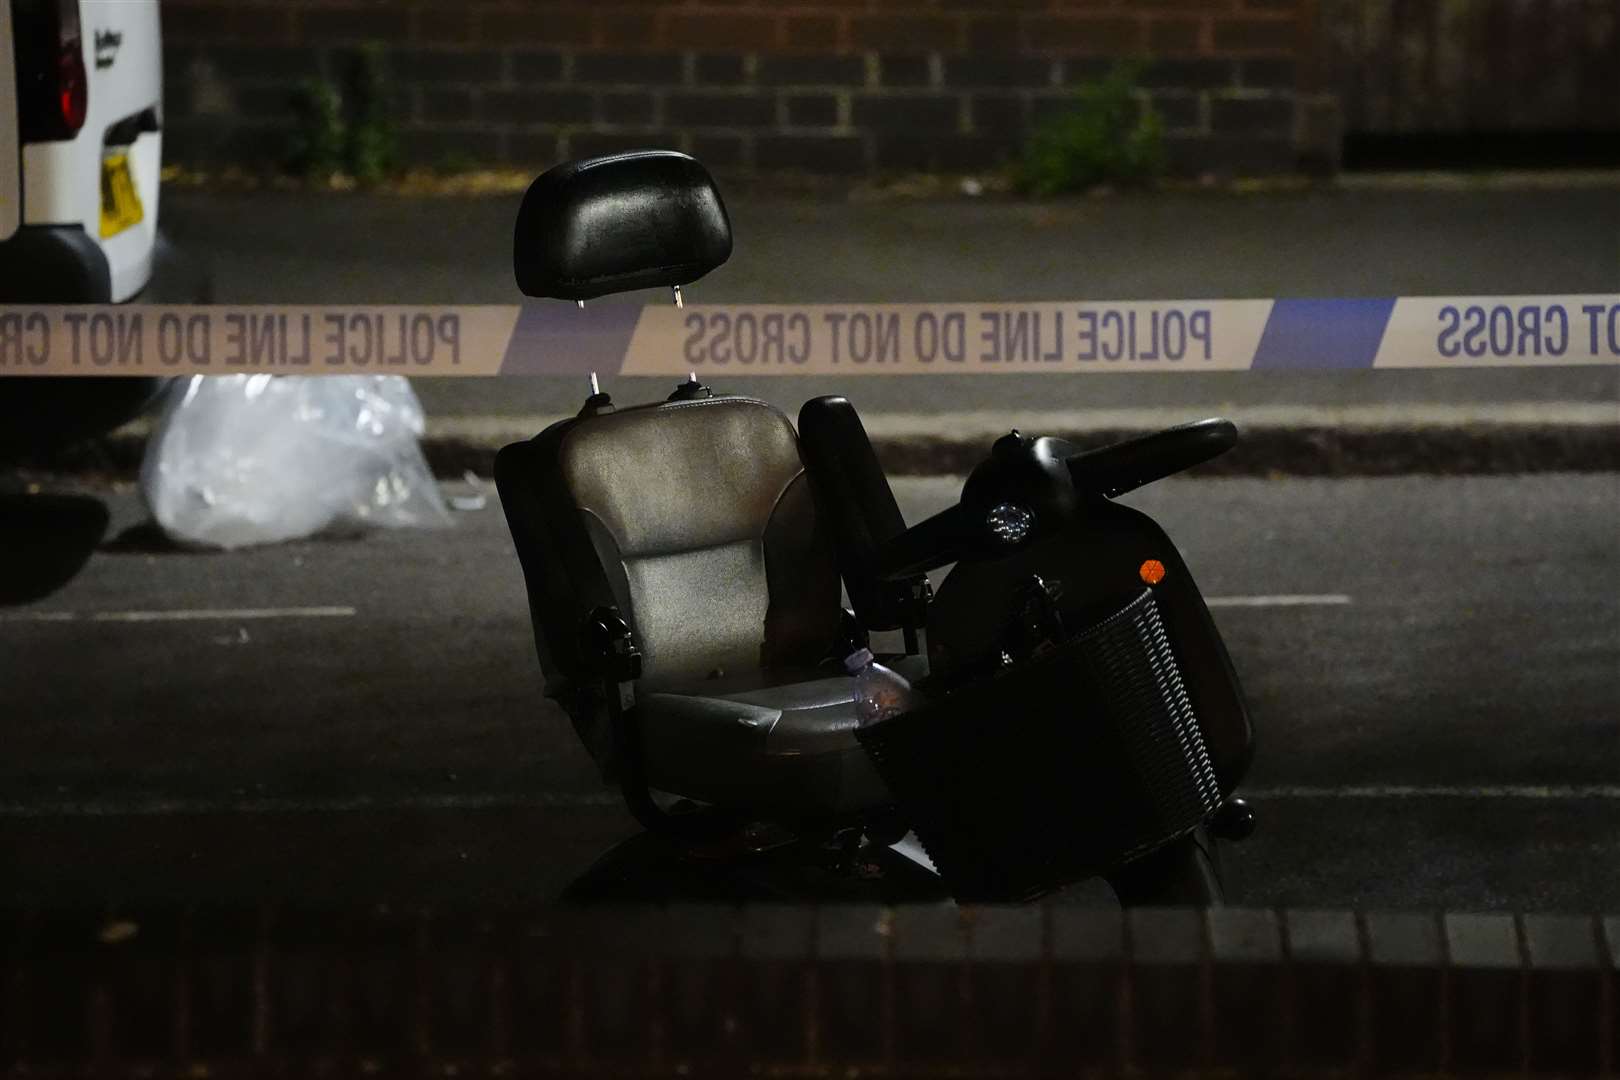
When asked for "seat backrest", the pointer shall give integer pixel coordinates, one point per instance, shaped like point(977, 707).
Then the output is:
point(695, 519)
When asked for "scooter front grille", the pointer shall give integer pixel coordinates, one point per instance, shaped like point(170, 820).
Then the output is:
point(1055, 770)
point(1131, 664)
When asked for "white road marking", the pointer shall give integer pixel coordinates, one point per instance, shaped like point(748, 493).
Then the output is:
point(340, 612)
point(1545, 792)
point(184, 615)
point(1323, 600)
point(259, 804)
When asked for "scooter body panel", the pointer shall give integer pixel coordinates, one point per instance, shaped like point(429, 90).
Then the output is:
point(1099, 560)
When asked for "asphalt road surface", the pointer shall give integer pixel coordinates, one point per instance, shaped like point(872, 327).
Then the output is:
point(285, 248)
point(1434, 667)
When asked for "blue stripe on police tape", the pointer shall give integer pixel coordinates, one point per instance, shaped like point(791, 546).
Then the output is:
point(1322, 335)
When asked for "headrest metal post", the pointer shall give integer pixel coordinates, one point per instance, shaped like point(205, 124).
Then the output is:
point(680, 303)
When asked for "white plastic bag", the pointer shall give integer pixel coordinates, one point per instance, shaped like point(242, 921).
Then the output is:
point(255, 459)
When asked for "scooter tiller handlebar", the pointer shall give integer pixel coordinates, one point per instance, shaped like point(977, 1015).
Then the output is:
point(984, 524)
point(1112, 471)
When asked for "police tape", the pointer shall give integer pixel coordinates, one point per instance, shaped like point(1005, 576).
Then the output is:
point(814, 339)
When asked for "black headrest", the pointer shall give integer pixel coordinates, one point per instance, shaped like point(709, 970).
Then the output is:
point(651, 218)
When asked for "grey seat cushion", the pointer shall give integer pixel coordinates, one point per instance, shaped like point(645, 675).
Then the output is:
point(789, 748)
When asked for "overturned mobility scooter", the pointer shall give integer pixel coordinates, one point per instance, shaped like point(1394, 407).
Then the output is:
point(1074, 712)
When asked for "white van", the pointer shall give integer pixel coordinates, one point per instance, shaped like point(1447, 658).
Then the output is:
point(81, 136)
point(80, 148)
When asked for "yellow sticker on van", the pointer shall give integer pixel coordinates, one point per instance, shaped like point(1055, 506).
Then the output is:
point(120, 202)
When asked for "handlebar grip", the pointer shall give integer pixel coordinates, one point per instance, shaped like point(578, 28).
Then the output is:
point(1125, 466)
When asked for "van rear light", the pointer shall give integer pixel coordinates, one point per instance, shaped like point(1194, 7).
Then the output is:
point(52, 88)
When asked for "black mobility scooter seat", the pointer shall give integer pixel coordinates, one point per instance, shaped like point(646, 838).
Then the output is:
point(694, 522)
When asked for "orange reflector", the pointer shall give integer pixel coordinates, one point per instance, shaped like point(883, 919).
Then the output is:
point(1151, 571)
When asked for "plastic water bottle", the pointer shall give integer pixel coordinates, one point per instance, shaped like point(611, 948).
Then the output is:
point(879, 692)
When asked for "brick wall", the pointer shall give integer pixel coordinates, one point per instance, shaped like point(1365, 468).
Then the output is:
point(793, 991)
point(828, 86)
point(1474, 65)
